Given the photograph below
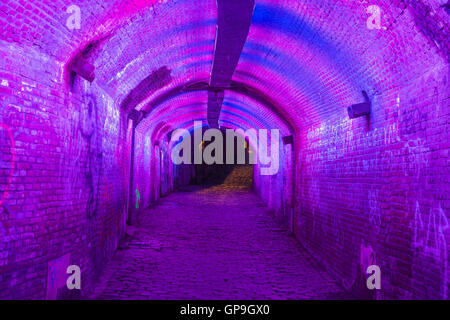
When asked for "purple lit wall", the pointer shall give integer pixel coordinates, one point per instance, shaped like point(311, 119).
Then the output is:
point(352, 191)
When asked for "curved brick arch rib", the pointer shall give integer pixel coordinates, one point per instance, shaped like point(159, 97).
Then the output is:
point(235, 88)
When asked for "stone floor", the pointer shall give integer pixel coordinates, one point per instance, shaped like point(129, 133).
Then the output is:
point(213, 243)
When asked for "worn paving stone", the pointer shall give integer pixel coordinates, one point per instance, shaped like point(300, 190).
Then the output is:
point(213, 243)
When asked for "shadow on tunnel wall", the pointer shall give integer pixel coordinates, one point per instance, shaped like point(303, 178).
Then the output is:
point(227, 175)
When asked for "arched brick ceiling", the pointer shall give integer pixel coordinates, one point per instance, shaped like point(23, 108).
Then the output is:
point(239, 112)
point(311, 57)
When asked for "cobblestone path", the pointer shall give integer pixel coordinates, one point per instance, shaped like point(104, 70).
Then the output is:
point(213, 243)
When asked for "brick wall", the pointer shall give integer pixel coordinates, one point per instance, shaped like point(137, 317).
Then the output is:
point(276, 190)
point(63, 174)
point(365, 192)
point(155, 175)
point(378, 191)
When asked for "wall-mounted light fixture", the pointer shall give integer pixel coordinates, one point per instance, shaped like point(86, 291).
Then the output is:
point(84, 69)
point(135, 115)
point(446, 6)
point(360, 109)
point(288, 139)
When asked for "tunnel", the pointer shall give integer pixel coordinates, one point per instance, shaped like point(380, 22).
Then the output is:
point(224, 149)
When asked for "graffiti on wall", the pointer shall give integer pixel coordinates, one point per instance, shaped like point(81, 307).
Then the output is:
point(81, 159)
point(56, 276)
point(8, 136)
point(429, 242)
point(417, 159)
point(90, 131)
point(70, 156)
point(138, 198)
point(374, 210)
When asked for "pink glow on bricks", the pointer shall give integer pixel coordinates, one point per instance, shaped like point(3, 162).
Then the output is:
point(89, 99)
